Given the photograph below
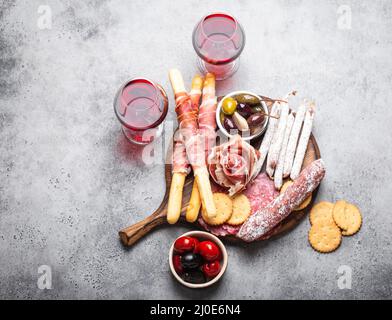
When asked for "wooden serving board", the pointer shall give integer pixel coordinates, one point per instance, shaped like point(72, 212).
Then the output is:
point(133, 233)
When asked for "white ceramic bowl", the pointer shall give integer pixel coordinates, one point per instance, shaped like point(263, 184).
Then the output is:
point(200, 235)
point(231, 94)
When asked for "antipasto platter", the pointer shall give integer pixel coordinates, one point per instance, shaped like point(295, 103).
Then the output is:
point(243, 181)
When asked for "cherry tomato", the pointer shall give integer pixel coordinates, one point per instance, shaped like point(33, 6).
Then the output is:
point(196, 248)
point(184, 244)
point(208, 250)
point(177, 264)
point(211, 269)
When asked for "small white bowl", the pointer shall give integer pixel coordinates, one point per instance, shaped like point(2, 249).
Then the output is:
point(200, 235)
point(231, 94)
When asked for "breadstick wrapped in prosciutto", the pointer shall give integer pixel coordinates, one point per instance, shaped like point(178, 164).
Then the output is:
point(188, 126)
point(193, 209)
point(206, 118)
point(207, 126)
point(303, 142)
point(264, 220)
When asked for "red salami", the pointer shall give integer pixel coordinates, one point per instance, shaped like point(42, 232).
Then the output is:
point(264, 220)
point(260, 193)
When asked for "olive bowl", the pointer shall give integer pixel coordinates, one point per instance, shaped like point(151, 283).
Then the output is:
point(235, 93)
point(201, 236)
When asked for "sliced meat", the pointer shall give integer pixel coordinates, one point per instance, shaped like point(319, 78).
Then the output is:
point(264, 220)
point(260, 192)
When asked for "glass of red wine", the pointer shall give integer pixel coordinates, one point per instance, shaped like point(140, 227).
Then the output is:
point(218, 40)
point(141, 105)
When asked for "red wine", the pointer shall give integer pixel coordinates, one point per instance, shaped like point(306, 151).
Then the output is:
point(218, 39)
point(141, 105)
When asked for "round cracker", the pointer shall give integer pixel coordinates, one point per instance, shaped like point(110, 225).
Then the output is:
point(338, 214)
point(304, 204)
point(321, 214)
point(325, 238)
point(241, 210)
point(224, 208)
point(349, 219)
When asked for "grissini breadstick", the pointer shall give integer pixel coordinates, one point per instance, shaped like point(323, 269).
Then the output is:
point(175, 197)
point(292, 144)
point(278, 177)
point(267, 140)
point(303, 142)
point(207, 126)
point(192, 212)
point(188, 126)
point(273, 154)
point(193, 208)
point(195, 93)
point(180, 170)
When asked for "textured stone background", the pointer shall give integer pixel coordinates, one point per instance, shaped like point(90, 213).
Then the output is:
point(69, 181)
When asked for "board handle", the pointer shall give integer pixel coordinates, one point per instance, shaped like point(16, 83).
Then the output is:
point(133, 233)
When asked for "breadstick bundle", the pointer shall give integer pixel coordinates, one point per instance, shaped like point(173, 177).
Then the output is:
point(189, 148)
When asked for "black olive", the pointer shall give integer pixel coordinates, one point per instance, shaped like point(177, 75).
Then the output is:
point(244, 110)
point(256, 120)
point(194, 276)
point(191, 260)
point(229, 124)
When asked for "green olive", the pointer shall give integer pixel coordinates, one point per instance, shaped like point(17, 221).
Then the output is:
point(247, 99)
point(257, 109)
point(229, 105)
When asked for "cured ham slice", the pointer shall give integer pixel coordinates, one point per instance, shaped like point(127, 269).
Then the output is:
point(232, 164)
point(207, 122)
point(179, 158)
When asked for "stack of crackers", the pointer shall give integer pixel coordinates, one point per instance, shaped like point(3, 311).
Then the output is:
point(233, 211)
point(330, 221)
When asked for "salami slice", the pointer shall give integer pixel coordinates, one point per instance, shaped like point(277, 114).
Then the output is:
point(260, 192)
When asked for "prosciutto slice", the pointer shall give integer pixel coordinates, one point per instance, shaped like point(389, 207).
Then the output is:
point(207, 122)
point(179, 158)
point(232, 164)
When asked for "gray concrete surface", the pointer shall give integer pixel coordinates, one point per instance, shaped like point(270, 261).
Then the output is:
point(69, 181)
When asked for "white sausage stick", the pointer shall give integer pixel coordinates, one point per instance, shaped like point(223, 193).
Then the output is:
point(303, 142)
point(265, 145)
point(273, 155)
point(292, 144)
point(278, 177)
